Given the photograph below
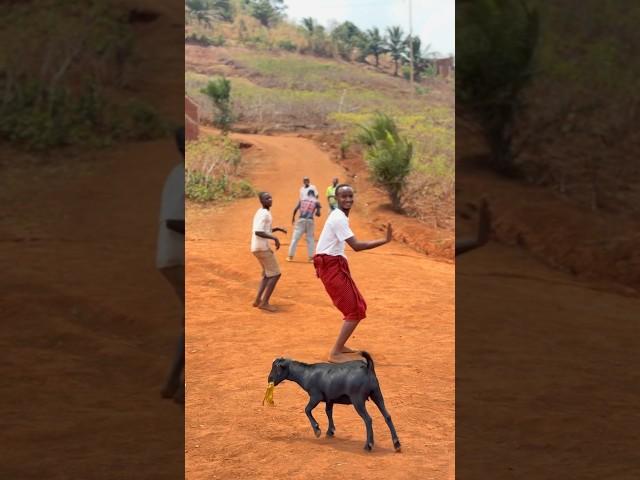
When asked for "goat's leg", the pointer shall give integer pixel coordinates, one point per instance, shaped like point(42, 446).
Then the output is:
point(313, 403)
point(377, 398)
point(332, 428)
point(362, 411)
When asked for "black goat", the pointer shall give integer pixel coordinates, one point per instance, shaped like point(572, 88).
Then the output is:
point(350, 383)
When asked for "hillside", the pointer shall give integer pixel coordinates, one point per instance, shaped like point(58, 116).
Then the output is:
point(274, 92)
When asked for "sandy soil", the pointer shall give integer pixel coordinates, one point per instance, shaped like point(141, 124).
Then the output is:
point(230, 345)
point(546, 337)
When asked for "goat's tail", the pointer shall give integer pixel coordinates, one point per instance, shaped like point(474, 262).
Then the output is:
point(370, 365)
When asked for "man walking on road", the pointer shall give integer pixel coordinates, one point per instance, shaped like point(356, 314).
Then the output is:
point(332, 268)
point(331, 195)
point(304, 225)
point(262, 233)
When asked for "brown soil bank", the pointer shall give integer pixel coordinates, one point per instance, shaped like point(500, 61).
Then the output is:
point(591, 245)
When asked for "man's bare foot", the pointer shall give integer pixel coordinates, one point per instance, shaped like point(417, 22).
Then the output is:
point(346, 349)
point(343, 357)
point(267, 307)
point(256, 303)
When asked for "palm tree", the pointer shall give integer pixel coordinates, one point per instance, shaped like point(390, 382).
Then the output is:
point(309, 27)
point(374, 44)
point(396, 45)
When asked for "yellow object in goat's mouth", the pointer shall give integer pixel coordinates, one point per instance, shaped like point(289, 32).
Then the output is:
point(268, 396)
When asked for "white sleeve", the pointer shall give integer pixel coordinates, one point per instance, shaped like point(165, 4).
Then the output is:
point(260, 221)
point(342, 230)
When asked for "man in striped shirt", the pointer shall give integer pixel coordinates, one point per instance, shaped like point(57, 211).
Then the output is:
point(304, 225)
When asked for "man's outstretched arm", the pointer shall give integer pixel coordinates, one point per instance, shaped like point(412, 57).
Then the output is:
point(358, 245)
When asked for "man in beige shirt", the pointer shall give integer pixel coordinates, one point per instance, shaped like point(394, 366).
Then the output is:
point(262, 233)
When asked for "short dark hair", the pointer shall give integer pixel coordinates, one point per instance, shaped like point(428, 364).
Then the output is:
point(342, 185)
point(179, 136)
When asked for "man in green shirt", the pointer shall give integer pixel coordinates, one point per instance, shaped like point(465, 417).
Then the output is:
point(331, 194)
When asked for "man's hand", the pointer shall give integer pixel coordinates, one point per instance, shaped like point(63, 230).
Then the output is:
point(389, 233)
point(277, 243)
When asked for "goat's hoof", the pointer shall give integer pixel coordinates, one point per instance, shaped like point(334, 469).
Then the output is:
point(396, 445)
point(368, 447)
point(317, 432)
point(330, 433)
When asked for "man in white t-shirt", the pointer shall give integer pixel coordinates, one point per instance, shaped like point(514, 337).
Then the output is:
point(306, 186)
point(170, 258)
point(333, 269)
point(262, 232)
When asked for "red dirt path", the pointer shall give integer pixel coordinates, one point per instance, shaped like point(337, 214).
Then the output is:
point(230, 345)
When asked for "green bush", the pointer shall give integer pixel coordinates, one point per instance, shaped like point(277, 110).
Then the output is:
point(54, 93)
point(287, 45)
point(212, 165)
point(203, 188)
point(390, 163)
point(41, 118)
point(142, 122)
point(497, 44)
point(377, 130)
point(200, 187)
point(219, 91)
point(204, 40)
point(388, 155)
point(243, 189)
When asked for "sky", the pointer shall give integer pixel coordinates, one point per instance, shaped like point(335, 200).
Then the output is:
point(433, 20)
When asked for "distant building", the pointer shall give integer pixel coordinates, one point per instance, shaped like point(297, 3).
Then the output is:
point(444, 66)
point(191, 119)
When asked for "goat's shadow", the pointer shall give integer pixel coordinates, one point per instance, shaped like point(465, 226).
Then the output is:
point(336, 443)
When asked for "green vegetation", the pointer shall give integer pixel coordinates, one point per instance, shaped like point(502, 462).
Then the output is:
point(204, 40)
point(67, 91)
point(267, 12)
point(497, 42)
point(206, 12)
point(219, 92)
point(261, 24)
point(388, 155)
point(271, 87)
point(212, 171)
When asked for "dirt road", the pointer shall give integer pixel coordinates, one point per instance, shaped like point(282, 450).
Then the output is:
point(230, 345)
point(544, 383)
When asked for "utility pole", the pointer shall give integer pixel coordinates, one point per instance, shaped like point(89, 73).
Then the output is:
point(411, 48)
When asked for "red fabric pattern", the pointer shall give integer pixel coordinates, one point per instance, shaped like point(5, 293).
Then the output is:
point(336, 278)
